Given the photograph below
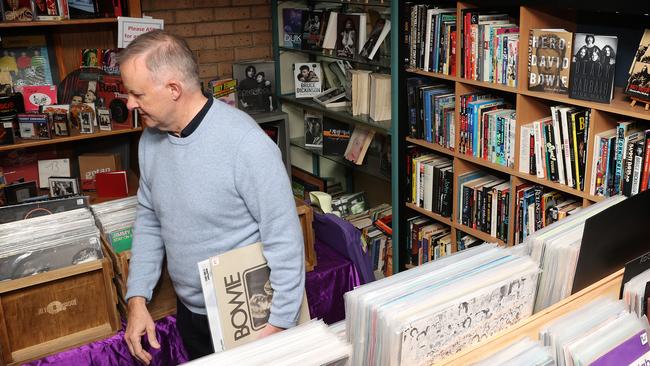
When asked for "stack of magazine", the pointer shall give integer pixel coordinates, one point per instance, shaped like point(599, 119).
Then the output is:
point(309, 344)
point(427, 314)
point(46, 243)
point(115, 219)
point(556, 248)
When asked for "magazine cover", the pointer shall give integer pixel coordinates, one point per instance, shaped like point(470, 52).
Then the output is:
point(244, 294)
point(638, 85)
point(549, 60)
point(313, 130)
point(292, 19)
point(308, 79)
point(28, 61)
point(224, 90)
point(18, 10)
point(256, 86)
point(312, 23)
point(109, 61)
point(347, 35)
point(592, 67)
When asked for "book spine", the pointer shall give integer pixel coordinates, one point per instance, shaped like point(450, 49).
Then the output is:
point(568, 152)
point(645, 174)
point(638, 165)
point(466, 207)
point(628, 169)
point(524, 150)
point(621, 130)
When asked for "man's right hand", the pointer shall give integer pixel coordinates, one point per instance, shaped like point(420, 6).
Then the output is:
point(140, 323)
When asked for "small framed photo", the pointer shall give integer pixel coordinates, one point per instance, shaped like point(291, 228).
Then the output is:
point(63, 186)
point(104, 118)
point(19, 192)
point(86, 119)
point(330, 96)
point(60, 124)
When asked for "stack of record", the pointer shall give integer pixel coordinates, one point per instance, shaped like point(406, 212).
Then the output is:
point(311, 343)
point(115, 219)
point(46, 243)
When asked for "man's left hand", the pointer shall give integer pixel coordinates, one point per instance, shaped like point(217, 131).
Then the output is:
point(268, 330)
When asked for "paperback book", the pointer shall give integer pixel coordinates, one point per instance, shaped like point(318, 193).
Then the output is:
point(308, 79)
point(549, 60)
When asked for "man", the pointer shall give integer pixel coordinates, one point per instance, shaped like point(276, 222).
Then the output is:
point(210, 181)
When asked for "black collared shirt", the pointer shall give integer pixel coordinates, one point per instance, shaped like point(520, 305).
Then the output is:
point(196, 121)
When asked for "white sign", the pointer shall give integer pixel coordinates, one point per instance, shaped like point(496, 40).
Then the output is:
point(129, 28)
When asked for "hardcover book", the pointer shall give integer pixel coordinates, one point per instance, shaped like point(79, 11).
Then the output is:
point(292, 19)
point(592, 67)
point(308, 79)
point(336, 136)
point(347, 37)
point(256, 83)
point(638, 84)
point(312, 25)
point(549, 60)
point(313, 130)
point(244, 294)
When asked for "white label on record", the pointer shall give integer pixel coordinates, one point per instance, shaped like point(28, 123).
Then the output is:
point(80, 202)
point(644, 338)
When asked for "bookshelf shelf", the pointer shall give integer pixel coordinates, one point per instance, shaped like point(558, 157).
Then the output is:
point(339, 114)
point(620, 104)
point(478, 234)
point(433, 215)
point(299, 142)
point(481, 84)
point(57, 23)
point(431, 146)
point(368, 3)
point(59, 140)
point(380, 62)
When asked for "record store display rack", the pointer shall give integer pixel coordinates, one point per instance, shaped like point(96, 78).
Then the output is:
point(443, 78)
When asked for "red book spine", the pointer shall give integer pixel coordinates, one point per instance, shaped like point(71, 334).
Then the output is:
point(646, 164)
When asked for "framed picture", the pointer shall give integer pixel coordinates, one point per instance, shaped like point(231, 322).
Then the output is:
point(104, 119)
point(28, 60)
point(86, 121)
point(255, 86)
point(19, 192)
point(303, 182)
point(63, 186)
point(18, 10)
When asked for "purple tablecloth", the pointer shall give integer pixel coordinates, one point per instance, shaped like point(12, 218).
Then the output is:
point(325, 285)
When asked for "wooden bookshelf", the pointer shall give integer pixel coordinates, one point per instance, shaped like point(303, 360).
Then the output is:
point(57, 23)
point(529, 106)
point(23, 144)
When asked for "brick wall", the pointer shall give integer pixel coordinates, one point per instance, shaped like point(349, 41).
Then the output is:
point(220, 32)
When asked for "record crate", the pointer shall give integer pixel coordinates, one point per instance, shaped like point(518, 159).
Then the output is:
point(306, 216)
point(56, 310)
point(163, 301)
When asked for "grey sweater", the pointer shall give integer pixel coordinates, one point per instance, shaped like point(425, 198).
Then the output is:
point(222, 187)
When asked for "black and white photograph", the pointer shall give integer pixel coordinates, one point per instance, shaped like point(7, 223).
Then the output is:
point(256, 83)
point(330, 95)
point(19, 192)
point(259, 293)
point(593, 66)
point(104, 118)
point(86, 121)
point(346, 41)
point(63, 186)
point(311, 27)
point(313, 130)
point(308, 78)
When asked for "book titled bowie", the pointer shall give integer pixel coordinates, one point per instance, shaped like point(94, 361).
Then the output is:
point(243, 294)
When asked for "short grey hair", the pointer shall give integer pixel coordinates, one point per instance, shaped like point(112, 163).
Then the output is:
point(162, 51)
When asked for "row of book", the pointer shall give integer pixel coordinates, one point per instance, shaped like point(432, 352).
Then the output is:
point(555, 147)
point(487, 128)
point(537, 207)
point(346, 34)
point(490, 45)
point(376, 231)
point(621, 160)
point(48, 10)
point(430, 38)
point(431, 177)
point(483, 202)
point(431, 111)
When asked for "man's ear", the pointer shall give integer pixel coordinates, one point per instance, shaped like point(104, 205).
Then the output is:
point(175, 88)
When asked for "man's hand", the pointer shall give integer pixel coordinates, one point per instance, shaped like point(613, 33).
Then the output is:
point(140, 323)
point(268, 330)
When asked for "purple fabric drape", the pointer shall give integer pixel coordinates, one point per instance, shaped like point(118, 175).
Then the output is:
point(325, 285)
point(113, 351)
point(331, 278)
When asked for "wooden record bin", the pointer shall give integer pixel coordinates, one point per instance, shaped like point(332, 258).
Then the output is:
point(608, 287)
point(52, 311)
point(306, 216)
point(163, 301)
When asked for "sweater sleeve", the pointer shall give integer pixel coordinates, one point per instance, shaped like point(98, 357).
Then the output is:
point(147, 251)
point(261, 180)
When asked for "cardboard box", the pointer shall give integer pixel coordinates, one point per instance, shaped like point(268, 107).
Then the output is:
point(91, 164)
